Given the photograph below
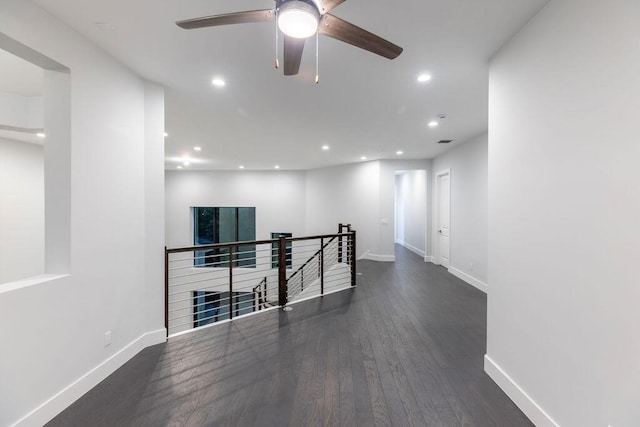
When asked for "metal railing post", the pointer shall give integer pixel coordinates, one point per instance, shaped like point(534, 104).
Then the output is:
point(321, 266)
point(340, 226)
point(231, 282)
point(166, 290)
point(282, 271)
point(353, 258)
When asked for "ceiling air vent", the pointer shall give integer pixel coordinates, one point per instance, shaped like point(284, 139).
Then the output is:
point(445, 141)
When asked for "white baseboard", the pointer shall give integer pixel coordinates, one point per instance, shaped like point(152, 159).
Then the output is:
point(380, 258)
point(155, 337)
point(430, 259)
point(469, 279)
point(522, 400)
point(60, 401)
point(412, 248)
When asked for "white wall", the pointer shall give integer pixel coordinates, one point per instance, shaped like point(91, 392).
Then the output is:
point(154, 202)
point(302, 202)
point(21, 210)
point(54, 330)
point(469, 223)
point(346, 194)
point(21, 111)
point(278, 196)
point(564, 204)
point(411, 210)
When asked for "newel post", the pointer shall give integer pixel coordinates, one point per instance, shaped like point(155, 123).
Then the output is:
point(340, 227)
point(321, 259)
point(282, 271)
point(353, 257)
point(166, 290)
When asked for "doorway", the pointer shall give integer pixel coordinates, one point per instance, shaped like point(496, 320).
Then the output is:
point(411, 210)
point(443, 217)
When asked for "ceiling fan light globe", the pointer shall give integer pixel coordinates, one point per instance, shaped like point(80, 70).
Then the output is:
point(298, 19)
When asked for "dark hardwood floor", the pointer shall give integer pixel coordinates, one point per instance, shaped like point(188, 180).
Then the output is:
point(404, 348)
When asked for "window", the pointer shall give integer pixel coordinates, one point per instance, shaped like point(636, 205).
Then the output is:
point(211, 307)
point(224, 225)
point(274, 250)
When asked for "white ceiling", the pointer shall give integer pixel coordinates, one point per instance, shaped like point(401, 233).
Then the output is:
point(364, 104)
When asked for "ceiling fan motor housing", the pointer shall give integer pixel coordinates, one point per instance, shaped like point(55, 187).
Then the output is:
point(298, 18)
point(311, 3)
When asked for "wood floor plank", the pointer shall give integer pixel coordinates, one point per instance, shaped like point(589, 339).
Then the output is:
point(347, 406)
point(405, 347)
point(331, 402)
point(392, 401)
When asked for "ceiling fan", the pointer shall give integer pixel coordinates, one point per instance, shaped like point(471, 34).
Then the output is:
point(299, 20)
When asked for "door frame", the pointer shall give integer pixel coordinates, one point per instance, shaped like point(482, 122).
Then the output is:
point(436, 243)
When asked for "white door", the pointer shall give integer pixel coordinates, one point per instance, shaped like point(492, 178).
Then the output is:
point(443, 213)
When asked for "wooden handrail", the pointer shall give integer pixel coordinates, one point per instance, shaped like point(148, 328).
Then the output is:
point(250, 242)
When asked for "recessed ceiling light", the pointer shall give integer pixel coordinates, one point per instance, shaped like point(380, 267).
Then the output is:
point(363, 158)
point(433, 124)
point(186, 163)
point(218, 82)
point(399, 152)
point(197, 148)
point(424, 78)
point(241, 167)
point(276, 167)
point(41, 135)
point(325, 147)
point(179, 167)
point(166, 134)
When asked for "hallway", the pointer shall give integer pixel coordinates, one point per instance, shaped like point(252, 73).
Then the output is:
point(404, 348)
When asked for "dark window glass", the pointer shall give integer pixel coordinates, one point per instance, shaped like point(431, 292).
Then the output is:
point(224, 225)
point(246, 232)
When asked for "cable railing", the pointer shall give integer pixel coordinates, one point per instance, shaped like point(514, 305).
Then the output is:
point(260, 295)
point(212, 283)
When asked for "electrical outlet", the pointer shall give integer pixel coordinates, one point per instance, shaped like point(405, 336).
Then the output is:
point(107, 338)
point(470, 266)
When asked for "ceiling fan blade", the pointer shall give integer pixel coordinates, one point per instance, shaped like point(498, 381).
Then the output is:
point(327, 5)
point(342, 30)
point(292, 55)
point(250, 16)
